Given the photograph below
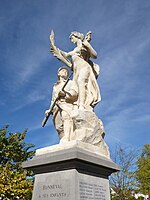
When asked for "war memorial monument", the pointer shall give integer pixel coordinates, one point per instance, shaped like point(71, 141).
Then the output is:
point(79, 166)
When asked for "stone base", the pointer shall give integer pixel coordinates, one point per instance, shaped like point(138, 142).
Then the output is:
point(74, 143)
point(70, 185)
point(70, 174)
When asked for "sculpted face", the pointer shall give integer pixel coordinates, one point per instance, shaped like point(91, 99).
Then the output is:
point(63, 73)
point(73, 39)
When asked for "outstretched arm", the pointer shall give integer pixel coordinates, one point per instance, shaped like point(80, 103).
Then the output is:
point(60, 55)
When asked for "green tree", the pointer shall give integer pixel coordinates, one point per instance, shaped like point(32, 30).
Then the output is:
point(143, 171)
point(124, 181)
point(15, 182)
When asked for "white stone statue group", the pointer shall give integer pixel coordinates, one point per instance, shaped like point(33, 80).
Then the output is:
point(73, 99)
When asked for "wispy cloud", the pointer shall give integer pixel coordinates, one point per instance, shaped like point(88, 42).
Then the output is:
point(120, 31)
point(39, 126)
point(30, 99)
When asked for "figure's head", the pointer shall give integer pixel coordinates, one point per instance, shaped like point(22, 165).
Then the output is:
point(74, 36)
point(63, 72)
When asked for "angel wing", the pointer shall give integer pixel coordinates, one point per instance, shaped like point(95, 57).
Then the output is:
point(88, 36)
point(60, 55)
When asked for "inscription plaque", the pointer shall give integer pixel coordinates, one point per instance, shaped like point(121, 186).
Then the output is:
point(52, 186)
point(90, 191)
point(52, 191)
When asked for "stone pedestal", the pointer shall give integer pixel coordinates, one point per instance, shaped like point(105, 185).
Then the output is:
point(70, 172)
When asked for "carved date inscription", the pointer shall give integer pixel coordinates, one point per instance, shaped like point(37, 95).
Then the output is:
point(89, 191)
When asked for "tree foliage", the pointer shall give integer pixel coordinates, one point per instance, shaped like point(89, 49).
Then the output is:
point(15, 182)
point(124, 181)
point(143, 171)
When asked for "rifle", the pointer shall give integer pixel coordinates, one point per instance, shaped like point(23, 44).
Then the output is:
point(52, 107)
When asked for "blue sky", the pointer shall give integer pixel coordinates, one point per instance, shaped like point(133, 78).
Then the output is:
point(121, 37)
